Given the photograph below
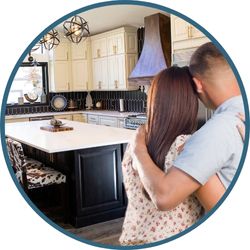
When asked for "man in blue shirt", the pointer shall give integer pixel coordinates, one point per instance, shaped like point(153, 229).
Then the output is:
point(215, 149)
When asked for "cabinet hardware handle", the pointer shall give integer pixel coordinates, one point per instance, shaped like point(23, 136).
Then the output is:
point(99, 84)
point(98, 53)
point(191, 31)
point(85, 54)
point(116, 84)
point(114, 49)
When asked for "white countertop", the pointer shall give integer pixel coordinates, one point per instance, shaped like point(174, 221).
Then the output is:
point(82, 136)
point(93, 112)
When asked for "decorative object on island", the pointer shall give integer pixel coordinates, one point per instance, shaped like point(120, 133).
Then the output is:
point(58, 102)
point(76, 29)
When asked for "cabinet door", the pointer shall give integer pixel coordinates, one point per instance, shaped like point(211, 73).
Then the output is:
point(98, 180)
point(99, 47)
point(113, 74)
point(120, 122)
point(131, 43)
point(195, 33)
point(79, 75)
point(93, 119)
point(60, 53)
point(116, 72)
point(108, 121)
point(180, 29)
point(100, 74)
point(61, 76)
point(115, 44)
point(79, 51)
point(80, 117)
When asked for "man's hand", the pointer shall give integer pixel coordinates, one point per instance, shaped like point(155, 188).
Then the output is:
point(241, 126)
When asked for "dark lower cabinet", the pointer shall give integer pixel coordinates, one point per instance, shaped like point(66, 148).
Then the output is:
point(94, 182)
point(99, 193)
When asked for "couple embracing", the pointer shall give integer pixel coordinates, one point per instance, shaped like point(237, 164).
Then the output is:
point(172, 173)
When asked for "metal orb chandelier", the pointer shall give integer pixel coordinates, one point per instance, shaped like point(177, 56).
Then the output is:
point(50, 40)
point(76, 29)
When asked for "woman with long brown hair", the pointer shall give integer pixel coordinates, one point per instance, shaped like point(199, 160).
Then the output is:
point(172, 118)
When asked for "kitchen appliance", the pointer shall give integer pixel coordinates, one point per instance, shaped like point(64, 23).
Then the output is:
point(134, 121)
point(121, 105)
point(156, 51)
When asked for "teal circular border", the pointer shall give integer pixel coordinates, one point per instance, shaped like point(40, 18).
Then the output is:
point(103, 4)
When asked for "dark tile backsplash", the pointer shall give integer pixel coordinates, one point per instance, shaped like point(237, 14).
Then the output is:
point(134, 101)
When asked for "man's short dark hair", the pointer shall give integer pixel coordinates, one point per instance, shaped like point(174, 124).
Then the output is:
point(205, 58)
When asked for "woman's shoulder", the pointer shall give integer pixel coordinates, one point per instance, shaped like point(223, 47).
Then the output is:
point(175, 149)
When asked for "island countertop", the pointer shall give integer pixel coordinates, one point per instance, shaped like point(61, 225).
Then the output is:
point(82, 136)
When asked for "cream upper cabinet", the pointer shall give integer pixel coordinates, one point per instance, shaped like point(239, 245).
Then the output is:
point(184, 35)
point(182, 30)
point(117, 72)
point(131, 43)
point(99, 47)
point(79, 75)
point(116, 44)
point(100, 74)
point(121, 56)
point(61, 52)
point(59, 76)
point(79, 51)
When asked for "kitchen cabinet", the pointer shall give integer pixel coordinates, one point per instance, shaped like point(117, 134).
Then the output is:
point(99, 46)
point(112, 68)
point(80, 118)
point(120, 122)
point(116, 44)
point(61, 52)
point(185, 35)
point(99, 192)
point(64, 117)
point(79, 75)
point(60, 76)
point(108, 121)
point(70, 67)
point(80, 51)
point(100, 74)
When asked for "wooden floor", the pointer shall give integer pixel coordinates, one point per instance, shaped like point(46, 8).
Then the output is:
point(105, 233)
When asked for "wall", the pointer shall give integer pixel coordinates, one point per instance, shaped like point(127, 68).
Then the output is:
point(134, 101)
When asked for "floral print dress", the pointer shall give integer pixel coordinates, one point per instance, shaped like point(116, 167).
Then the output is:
point(143, 222)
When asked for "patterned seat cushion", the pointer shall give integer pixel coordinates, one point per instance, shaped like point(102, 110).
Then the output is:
point(37, 174)
point(40, 176)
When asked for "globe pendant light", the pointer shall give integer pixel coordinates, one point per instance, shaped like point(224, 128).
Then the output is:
point(76, 29)
point(50, 40)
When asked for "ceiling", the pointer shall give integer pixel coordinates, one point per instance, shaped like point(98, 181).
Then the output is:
point(110, 17)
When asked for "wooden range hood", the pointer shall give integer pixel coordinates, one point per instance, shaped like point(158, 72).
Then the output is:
point(156, 52)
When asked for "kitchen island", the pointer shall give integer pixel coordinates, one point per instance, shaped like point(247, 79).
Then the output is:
point(90, 156)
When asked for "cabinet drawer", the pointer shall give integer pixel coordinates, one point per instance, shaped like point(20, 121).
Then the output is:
point(65, 117)
point(93, 119)
point(108, 121)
